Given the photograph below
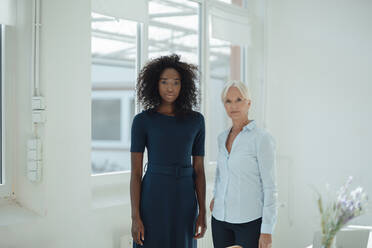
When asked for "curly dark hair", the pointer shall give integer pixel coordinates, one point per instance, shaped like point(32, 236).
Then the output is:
point(148, 80)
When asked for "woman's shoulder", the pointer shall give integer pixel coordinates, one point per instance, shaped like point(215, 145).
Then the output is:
point(222, 135)
point(264, 135)
point(195, 116)
point(142, 116)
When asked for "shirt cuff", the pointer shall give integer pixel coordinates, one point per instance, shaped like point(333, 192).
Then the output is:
point(267, 228)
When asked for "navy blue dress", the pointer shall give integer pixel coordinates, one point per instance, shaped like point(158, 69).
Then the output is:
point(168, 203)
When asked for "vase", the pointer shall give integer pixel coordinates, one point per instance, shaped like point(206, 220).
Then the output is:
point(330, 244)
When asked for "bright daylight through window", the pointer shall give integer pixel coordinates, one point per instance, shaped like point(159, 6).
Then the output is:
point(114, 55)
point(174, 28)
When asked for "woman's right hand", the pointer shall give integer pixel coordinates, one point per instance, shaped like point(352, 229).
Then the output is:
point(138, 231)
point(211, 204)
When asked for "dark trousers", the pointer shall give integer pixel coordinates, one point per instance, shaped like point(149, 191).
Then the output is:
point(227, 234)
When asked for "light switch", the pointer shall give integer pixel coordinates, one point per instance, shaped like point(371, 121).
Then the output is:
point(38, 103)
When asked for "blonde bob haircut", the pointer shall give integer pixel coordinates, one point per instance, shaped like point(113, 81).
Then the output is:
point(239, 85)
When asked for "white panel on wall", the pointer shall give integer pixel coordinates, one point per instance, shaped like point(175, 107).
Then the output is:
point(123, 9)
point(230, 23)
point(8, 12)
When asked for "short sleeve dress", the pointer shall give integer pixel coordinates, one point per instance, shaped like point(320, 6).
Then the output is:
point(168, 204)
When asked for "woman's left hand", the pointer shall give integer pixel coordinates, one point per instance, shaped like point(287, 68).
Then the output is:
point(201, 226)
point(265, 241)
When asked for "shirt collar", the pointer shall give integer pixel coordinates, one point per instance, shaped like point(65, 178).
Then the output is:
point(251, 125)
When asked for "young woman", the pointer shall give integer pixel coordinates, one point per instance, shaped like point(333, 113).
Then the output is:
point(168, 203)
point(244, 203)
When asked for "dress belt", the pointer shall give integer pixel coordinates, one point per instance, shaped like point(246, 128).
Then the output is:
point(175, 171)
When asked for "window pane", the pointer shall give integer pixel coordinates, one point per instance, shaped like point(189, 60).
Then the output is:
point(173, 28)
point(114, 52)
point(106, 113)
point(225, 65)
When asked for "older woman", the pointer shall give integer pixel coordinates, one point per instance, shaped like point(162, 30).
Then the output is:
point(244, 203)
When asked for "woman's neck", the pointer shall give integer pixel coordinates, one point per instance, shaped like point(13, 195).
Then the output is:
point(239, 124)
point(166, 108)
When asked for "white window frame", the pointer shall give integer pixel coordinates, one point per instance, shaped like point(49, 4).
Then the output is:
point(125, 98)
point(6, 187)
point(244, 63)
point(122, 178)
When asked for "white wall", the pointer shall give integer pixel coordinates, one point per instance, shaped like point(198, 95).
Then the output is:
point(318, 109)
point(60, 212)
point(319, 105)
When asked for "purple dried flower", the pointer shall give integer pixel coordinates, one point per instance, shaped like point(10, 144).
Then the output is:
point(347, 206)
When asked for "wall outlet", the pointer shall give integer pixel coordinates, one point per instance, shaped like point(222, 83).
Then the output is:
point(34, 160)
point(38, 116)
point(34, 171)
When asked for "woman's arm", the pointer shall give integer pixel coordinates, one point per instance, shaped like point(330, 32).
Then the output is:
point(216, 175)
point(200, 185)
point(138, 230)
point(211, 205)
point(266, 162)
point(266, 165)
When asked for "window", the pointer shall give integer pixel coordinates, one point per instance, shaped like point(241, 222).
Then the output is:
point(174, 28)
point(114, 63)
point(228, 40)
point(226, 63)
point(5, 170)
point(116, 110)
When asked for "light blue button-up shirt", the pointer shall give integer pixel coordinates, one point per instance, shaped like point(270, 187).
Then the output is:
point(245, 186)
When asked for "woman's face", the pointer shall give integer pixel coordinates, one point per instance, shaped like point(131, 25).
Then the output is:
point(169, 85)
point(236, 105)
